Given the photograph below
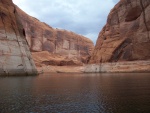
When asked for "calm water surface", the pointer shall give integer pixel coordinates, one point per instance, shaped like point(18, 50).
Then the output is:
point(76, 93)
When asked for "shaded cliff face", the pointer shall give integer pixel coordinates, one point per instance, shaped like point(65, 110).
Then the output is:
point(15, 57)
point(42, 37)
point(126, 35)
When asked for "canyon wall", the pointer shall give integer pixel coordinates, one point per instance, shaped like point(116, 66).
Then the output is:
point(15, 57)
point(126, 35)
point(42, 37)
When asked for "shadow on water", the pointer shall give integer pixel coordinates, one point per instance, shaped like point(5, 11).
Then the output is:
point(66, 93)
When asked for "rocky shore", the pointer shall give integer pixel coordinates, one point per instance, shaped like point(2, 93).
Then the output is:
point(60, 69)
point(115, 67)
point(118, 67)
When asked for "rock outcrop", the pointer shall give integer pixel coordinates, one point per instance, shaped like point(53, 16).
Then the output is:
point(15, 57)
point(126, 35)
point(42, 37)
point(53, 59)
point(119, 67)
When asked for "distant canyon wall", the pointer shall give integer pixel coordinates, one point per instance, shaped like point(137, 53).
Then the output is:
point(15, 57)
point(42, 37)
point(126, 35)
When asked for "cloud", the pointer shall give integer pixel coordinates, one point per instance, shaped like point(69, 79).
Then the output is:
point(85, 17)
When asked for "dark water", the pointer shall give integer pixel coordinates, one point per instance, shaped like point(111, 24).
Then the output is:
point(76, 93)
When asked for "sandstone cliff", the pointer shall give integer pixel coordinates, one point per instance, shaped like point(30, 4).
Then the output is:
point(15, 57)
point(126, 35)
point(42, 37)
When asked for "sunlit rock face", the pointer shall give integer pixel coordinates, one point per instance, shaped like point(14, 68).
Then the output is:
point(126, 35)
point(42, 37)
point(15, 57)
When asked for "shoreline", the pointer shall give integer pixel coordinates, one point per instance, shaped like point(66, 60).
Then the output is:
point(120, 67)
point(115, 67)
point(60, 69)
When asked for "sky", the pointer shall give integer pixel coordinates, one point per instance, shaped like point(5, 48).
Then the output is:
point(84, 17)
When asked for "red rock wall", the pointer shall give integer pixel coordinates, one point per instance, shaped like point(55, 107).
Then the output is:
point(126, 35)
point(15, 57)
point(42, 37)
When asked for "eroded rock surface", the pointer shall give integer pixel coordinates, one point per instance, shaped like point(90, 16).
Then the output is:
point(119, 67)
point(42, 37)
point(45, 58)
point(15, 57)
point(126, 35)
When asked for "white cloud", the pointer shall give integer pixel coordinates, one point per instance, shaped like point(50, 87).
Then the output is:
point(85, 17)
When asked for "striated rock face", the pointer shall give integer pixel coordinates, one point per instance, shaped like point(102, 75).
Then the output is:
point(52, 59)
point(15, 57)
point(126, 36)
point(119, 67)
point(42, 37)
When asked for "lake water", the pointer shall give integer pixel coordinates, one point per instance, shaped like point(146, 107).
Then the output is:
point(76, 93)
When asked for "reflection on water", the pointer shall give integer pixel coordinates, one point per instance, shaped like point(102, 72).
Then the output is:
point(76, 93)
